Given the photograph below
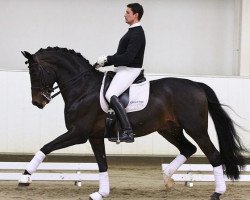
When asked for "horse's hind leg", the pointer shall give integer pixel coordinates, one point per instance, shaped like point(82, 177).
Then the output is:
point(213, 155)
point(186, 148)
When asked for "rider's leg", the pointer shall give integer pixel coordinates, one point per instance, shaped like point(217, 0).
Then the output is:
point(124, 77)
point(126, 134)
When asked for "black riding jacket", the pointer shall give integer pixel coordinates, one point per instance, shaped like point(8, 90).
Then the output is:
point(131, 49)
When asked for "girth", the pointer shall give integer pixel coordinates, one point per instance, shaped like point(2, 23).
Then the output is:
point(124, 97)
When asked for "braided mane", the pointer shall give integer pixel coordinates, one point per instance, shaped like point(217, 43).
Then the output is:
point(65, 50)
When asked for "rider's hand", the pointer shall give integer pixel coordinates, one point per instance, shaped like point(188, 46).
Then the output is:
point(101, 60)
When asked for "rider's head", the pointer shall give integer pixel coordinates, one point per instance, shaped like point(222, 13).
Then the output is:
point(133, 13)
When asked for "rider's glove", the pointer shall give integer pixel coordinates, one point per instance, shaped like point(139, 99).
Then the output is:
point(101, 60)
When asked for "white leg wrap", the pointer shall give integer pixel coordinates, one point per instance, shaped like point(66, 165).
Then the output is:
point(104, 188)
point(35, 162)
point(174, 165)
point(220, 185)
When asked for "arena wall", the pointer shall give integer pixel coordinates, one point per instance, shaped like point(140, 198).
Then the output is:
point(25, 128)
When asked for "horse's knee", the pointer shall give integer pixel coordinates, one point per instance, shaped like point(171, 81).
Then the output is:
point(70, 140)
point(80, 140)
point(188, 150)
point(222, 189)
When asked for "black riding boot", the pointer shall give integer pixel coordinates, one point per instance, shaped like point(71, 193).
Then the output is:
point(126, 134)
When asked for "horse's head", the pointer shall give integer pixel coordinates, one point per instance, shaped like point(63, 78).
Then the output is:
point(42, 78)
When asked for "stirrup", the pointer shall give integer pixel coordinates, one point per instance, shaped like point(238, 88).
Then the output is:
point(119, 139)
point(116, 140)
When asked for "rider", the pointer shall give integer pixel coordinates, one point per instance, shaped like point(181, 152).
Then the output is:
point(128, 59)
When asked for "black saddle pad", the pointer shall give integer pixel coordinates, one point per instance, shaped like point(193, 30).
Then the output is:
point(124, 97)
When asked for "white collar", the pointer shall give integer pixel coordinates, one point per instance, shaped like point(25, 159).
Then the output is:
point(135, 25)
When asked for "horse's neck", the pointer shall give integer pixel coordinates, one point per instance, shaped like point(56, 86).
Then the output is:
point(75, 77)
point(78, 84)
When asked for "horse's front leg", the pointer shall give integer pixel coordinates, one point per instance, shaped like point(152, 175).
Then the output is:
point(68, 139)
point(100, 155)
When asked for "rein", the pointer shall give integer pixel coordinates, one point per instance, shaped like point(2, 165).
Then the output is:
point(47, 90)
point(74, 79)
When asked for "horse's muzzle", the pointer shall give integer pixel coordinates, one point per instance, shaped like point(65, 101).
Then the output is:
point(39, 105)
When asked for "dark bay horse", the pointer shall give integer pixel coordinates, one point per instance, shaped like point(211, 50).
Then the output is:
point(174, 105)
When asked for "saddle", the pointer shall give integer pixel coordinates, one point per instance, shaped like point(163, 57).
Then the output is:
point(111, 125)
point(124, 97)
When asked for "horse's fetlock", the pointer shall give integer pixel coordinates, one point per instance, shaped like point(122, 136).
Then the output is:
point(223, 190)
point(104, 193)
point(81, 140)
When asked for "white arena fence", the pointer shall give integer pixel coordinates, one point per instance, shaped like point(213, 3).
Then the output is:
point(190, 173)
point(77, 172)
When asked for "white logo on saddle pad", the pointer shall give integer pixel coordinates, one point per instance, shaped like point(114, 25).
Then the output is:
point(138, 97)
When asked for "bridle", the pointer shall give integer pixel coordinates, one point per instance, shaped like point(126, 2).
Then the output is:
point(47, 88)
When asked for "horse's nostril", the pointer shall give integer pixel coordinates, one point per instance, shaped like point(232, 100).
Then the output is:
point(34, 103)
point(37, 104)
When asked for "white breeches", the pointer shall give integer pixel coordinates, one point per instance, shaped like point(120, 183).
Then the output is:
point(124, 77)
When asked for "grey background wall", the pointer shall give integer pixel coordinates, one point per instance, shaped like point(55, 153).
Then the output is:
point(183, 36)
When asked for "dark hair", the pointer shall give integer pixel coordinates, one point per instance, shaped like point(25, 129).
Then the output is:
point(136, 8)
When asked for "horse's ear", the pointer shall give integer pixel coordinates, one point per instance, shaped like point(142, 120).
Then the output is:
point(27, 55)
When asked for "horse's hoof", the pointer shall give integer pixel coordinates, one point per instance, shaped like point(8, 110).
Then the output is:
point(215, 196)
point(21, 185)
point(95, 196)
point(169, 183)
point(25, 180)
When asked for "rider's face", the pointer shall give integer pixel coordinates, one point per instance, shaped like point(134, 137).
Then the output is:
point(130, 17)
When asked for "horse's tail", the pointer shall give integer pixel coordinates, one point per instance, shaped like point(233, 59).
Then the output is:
point(229, 142)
